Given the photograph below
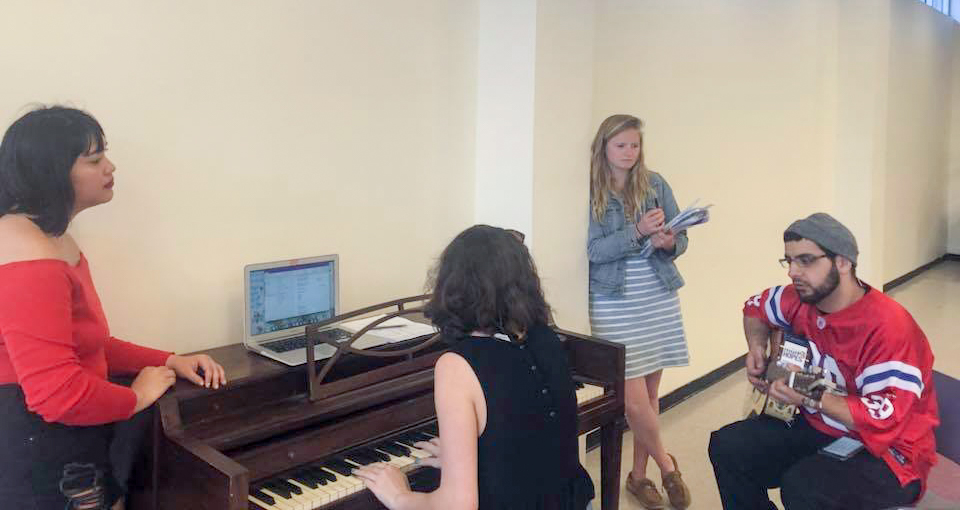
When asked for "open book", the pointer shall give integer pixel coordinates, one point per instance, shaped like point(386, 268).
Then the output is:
point(687, 218)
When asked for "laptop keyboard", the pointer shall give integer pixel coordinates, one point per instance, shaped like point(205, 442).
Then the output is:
point(300, 342)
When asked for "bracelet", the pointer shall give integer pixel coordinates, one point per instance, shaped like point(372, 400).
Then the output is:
point(813, 404)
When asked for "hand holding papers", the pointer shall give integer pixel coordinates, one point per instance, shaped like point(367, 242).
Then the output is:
point(687, 218)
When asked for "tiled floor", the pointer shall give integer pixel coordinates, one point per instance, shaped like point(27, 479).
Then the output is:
point(933, 298)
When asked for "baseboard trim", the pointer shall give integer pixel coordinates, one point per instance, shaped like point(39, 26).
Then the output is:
point(701, 383)
point(896, 282)
point(684, 392)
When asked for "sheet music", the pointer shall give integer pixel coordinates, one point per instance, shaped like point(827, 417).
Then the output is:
point(687, 218)
point(395, 329)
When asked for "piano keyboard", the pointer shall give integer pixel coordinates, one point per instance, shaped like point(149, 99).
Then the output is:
point(584, 393)
point(588, 392)
point(319, 484)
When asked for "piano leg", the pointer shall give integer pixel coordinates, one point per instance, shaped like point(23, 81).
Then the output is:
point(611, 445)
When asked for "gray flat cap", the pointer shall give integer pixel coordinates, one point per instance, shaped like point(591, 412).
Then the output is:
point(829, 233)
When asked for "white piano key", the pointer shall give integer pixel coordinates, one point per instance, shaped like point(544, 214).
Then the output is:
point(588, 392)
point(333, 490)
point(282, 502)
point(303, 500)
point(352, 483)
point(317, 497)
point(416, 452)
point(337, 489)
point(398, 462)
point(262, 504)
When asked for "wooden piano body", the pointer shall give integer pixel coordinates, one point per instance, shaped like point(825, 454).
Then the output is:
point(209, 448)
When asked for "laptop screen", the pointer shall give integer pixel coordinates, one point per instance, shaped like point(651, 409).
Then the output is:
point(291, 296)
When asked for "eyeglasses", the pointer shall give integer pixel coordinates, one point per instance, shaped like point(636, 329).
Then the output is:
point(802, 261)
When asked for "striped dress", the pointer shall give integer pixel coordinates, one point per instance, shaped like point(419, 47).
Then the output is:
point(646, 319)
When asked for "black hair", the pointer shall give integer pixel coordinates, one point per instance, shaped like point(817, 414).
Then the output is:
point(793, 236)
point(36, 156)
point(486, 280)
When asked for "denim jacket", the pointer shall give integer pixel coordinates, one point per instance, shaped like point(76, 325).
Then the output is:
point(612, 238)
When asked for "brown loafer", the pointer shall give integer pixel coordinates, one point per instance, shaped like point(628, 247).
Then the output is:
point(646, 492)
point(677, 491)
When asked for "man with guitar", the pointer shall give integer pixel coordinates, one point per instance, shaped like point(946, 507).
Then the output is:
point(864, 434)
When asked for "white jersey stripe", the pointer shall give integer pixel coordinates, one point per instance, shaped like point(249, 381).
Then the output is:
point(834, 423)
point(772, 307)
point(890, 374)
point(892, 382)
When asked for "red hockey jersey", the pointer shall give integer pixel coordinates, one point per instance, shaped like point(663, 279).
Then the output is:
point(876, 352)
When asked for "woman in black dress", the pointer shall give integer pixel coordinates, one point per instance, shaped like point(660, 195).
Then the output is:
point(505, 399)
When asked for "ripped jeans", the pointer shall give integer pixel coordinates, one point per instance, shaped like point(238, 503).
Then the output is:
point(51, 466)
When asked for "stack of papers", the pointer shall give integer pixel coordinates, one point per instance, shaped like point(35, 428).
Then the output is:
point(396, 329)
point(687, 218)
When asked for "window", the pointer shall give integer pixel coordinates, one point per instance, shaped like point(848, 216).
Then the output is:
point(948, 7)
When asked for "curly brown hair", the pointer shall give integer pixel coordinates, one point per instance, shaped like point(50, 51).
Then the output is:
point(486, 281)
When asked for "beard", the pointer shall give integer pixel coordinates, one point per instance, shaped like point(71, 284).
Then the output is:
point(823, 290)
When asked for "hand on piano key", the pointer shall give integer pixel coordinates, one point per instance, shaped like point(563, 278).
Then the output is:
point(387, 483)
point(332, 479)
point(433, 448)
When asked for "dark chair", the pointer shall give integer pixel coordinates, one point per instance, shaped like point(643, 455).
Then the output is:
point(943, 484)
point(948, 400)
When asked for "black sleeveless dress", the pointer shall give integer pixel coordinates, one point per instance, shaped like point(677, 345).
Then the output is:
point(527, 454)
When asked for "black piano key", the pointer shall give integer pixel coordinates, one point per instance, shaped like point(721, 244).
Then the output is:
point(278, 489)
point(405, 439)
point(339, 467)
point(392, 449)
point(306, 479)
point(359, 457)
point(262, 496)
point(403, 449)
point(372, 455)
point(290, 487)
point(323, 476)
point(422, 436)
point(379, 456)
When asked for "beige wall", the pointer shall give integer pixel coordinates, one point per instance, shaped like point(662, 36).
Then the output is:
point(562, 134)
point(245, 134)
point(732, 102)
point(953, 214)
point(917, 142)
point(856, 74)
point(774, 110)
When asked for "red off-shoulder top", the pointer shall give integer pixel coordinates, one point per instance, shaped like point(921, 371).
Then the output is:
point(56, 345)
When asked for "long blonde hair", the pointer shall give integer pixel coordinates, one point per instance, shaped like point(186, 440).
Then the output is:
point(637, 186)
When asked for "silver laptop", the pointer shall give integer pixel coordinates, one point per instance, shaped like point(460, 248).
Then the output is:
point(282, 297)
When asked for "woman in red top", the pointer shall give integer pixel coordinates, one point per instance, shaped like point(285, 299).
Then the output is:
point(64, 427)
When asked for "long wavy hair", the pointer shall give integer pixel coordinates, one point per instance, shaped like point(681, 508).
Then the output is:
point(601, 175)
point(486, 281)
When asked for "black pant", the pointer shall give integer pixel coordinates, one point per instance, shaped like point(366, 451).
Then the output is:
point(37, 458)
point(762, 453)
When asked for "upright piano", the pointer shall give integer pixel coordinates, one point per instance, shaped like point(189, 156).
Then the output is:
point(277, 438)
